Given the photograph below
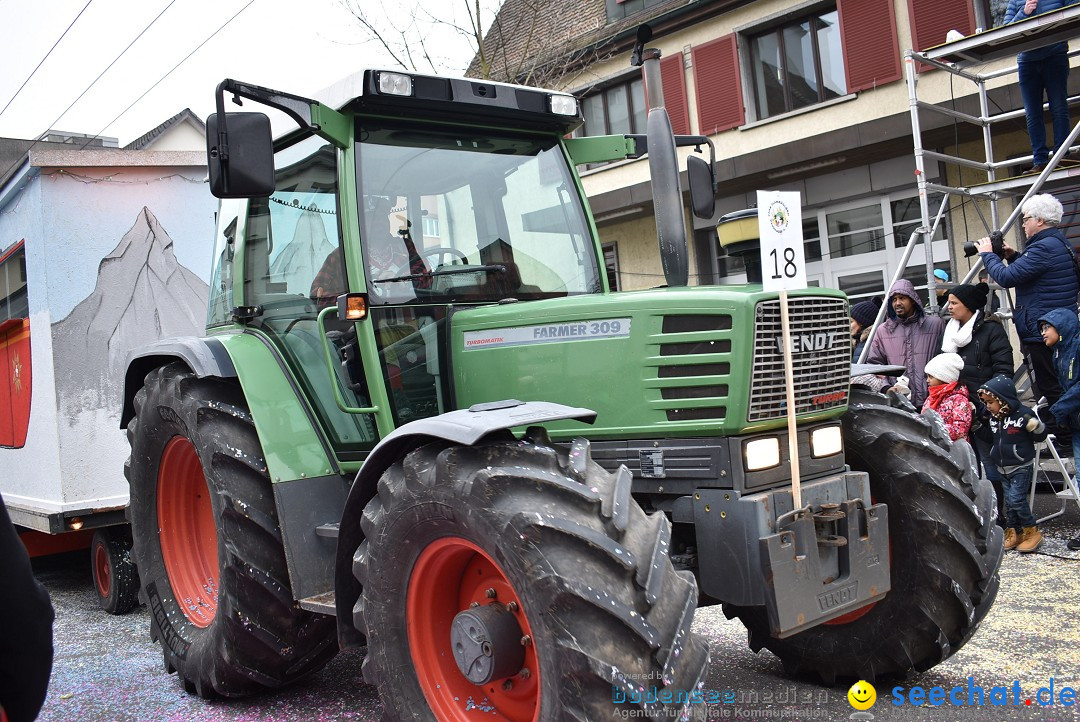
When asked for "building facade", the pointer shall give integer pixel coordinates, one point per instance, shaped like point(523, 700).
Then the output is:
point(796, 96)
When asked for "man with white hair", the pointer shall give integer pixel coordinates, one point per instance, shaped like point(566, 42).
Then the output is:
point(1045, 276)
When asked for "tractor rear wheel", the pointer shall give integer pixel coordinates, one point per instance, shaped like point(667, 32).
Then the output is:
point(512, 579)
point(115, 578)
point(207, 542)
point(944, 551)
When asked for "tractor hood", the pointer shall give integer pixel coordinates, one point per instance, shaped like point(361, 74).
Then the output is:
point(662, 362)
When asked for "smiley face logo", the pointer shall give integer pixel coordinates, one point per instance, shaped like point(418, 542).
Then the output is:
point(862, 695)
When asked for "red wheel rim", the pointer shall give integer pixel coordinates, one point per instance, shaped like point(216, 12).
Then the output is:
point(449, 576)
point(852, 615)
point(187, 532)
point(102, 570)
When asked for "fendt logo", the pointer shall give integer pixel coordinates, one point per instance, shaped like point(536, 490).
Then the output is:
point(810, 342)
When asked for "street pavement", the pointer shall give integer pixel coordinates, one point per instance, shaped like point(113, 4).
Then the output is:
point(106, 668)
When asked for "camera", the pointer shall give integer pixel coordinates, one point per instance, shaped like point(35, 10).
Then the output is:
point(997, 245)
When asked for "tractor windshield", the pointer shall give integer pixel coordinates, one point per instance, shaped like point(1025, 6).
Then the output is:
point(465, 216)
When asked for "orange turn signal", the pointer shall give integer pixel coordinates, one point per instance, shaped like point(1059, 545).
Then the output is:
point(352, 306)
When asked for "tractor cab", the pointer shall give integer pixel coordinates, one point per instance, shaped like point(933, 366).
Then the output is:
point(413, 221)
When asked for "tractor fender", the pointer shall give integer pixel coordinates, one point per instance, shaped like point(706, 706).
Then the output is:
point(465, 427)
point(204, 356)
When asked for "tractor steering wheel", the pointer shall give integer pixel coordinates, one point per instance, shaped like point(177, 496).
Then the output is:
point(440, 251)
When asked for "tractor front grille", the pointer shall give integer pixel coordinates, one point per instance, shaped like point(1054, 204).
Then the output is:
point(694, 386)
point(821, 358)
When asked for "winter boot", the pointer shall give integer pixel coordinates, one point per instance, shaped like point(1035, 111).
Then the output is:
point(1011, 539)
point(1030, 540)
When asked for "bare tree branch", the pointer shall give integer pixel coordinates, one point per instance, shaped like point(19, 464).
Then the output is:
point(526, 41)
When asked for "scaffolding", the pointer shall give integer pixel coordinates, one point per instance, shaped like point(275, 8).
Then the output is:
point(958, 59)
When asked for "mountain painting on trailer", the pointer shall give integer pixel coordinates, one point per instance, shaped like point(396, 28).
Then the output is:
point(142, 294)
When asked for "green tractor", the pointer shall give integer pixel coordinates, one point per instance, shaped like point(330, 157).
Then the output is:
point(421, 421)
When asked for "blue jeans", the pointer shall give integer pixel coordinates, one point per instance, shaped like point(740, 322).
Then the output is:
point(1050, 75)
point(1017, 485)
point(982, 455)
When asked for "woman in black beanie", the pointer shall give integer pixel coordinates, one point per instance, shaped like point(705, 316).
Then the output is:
point(984, 346)
point(982, 342)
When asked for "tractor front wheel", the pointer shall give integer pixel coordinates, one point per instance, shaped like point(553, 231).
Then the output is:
point(517, 582)
point(208, 545)
point(944, 552)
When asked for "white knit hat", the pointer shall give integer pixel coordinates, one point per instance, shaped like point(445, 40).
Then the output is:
point(945, 367)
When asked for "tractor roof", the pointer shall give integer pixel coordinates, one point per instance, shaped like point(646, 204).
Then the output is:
point(432, 97)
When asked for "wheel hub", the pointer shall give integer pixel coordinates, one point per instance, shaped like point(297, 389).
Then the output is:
point(103, 569)
point(487, 643)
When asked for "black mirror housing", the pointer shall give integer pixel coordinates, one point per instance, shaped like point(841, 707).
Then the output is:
point(248, 169)
point(702, 198)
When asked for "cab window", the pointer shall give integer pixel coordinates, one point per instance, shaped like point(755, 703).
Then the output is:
point(293, 266)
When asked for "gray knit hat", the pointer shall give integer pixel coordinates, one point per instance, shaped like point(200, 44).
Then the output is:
point(866, 311)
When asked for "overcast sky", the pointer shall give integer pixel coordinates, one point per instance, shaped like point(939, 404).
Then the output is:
point(294, 46)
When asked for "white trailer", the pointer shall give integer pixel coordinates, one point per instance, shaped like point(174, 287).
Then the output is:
point(100, 251)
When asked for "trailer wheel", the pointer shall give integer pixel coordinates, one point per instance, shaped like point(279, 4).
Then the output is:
point(115, 578)
point(516, 581)
point(944, 550)
point(207, 542)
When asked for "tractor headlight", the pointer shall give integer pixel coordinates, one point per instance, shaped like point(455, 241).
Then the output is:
point(395, 83)
point(564, 105)
point(761, 454)
point(826, 441)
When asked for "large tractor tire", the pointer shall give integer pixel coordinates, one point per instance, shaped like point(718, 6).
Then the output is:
point(208, 545)
point(944, 551)
point(524, 583)
point(115, 578)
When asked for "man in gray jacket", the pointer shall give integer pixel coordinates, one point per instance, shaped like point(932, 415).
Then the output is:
point(908, 338)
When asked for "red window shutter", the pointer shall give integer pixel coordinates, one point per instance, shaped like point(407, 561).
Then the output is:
point(674, 82)
point(932, 19)
point(871, 48)
point(719, 89)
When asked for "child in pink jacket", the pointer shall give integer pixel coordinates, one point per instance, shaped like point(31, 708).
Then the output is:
point(946, 395)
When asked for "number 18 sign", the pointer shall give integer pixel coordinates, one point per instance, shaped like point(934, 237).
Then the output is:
point(783, 266)
point(783, 269)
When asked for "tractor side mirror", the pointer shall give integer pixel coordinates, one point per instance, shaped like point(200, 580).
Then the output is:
point(240, 161)
point(702, 195)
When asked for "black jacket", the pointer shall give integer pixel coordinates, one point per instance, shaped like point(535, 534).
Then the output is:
point(1013, 444)
point(26, 618)
point(988, 354)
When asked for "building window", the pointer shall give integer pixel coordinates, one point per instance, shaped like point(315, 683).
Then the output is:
point(862, 285)
point(797, 64)
point(990, 13)
point(431, 226)
point(854, 231)
point(811, 239)
point(616, 109)
point(619, 9)
point(907, 216)
point(611, 265)
point(13, 299)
